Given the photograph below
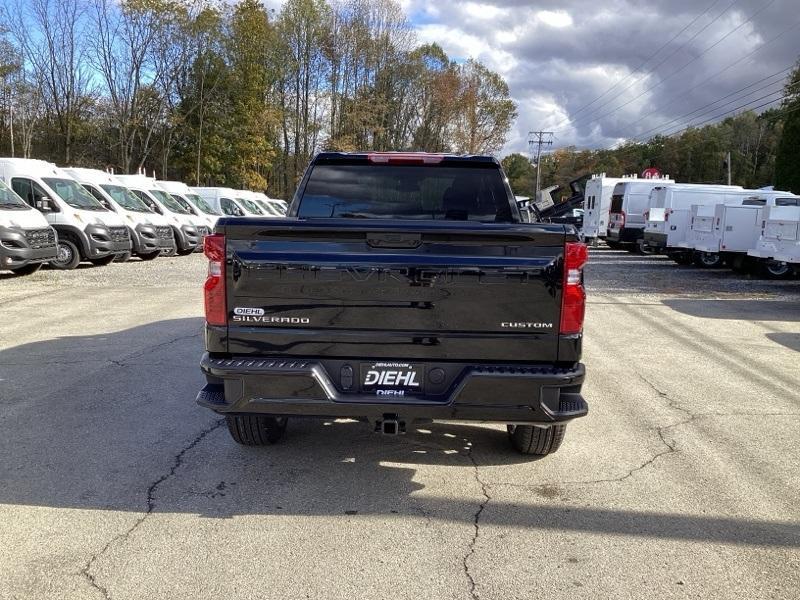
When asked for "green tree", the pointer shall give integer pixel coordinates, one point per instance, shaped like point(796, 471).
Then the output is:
point(487, 111)
point(521, 174)
point(787, 159)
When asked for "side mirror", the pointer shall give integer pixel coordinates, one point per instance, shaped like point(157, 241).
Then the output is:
point(44, 204)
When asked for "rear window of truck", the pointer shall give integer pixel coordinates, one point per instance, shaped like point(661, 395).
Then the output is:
point(406, 192)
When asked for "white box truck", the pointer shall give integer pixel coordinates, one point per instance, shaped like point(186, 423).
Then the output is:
point(778, 246)
point(626, 220)
point(86, 229)
point(669, 217)
point(150, 232)
point(186, 232)
point(597, 204)
point(26, 239)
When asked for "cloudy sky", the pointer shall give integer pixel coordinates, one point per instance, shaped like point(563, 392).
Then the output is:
point(560, 55)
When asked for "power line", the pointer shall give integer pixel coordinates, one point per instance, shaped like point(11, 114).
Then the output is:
point(671, 75)
point(667, 124)
point(730, 66)
point(717, 117)
point(648, 59)
point(537, 138)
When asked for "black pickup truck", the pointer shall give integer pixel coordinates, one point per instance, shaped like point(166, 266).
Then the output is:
point(401, 287)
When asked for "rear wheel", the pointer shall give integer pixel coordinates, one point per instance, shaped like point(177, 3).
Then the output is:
point(538, 441)
point(102, 262)
point(256, 430)
point(776, 269)
point(642, 248)
point(708, 260)
point(68, 256)
point(27, 269)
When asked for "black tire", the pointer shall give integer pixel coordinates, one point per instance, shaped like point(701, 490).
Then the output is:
point(124, 257)
point(150, 255)
point(68, 256)
point(102, 262)
point(256, 430)
point(538, 441)
point(775, 269)
point(642, 248)
point(708, 260)
point(185, 252)
point(27, 269)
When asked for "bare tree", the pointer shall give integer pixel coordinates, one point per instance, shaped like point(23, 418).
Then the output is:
point(53, 36)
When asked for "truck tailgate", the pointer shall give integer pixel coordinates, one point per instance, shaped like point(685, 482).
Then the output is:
point(342, 288)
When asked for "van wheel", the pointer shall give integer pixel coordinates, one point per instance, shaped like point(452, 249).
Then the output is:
point(68, 256)
point(643, 249)
point(124, 257)
point(708, 260)
point(776, 269)
point(102, 262)
point(150, 255)
point(538, 441)
point(27, 269)
point(256, 430)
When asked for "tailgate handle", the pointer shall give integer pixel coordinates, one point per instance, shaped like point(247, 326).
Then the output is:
point(394, 240)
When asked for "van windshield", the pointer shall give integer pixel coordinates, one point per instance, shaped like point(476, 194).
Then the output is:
point(73, 193)
point(125, 198)
point(170, 202)
point(250, 206)
point(184, 203)
point(9, 200)
point(269, 208)
point(202, 204)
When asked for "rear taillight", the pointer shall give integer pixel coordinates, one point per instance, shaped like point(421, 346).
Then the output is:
point(573, 296)
point(214, 288)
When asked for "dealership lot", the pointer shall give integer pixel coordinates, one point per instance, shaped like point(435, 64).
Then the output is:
point(116, 485)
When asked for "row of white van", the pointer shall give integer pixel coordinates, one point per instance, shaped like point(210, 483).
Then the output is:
point(705, 224)
point(65, 216)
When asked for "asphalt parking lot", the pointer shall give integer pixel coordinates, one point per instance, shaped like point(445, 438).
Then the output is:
point(683, 482)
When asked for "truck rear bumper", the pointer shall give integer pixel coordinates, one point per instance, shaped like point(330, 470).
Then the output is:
point(532, 394)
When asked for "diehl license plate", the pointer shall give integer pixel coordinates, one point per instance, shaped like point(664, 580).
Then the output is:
point(392, 379)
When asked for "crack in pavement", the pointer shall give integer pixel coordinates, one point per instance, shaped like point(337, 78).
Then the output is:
point(177, 461)
point(476, 523)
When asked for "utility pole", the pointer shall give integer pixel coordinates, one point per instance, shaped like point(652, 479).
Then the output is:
point(11, 126)
point(729, 167)
point(538, 139)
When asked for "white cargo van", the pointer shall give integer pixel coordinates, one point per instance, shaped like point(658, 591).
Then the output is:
point(86, 229)
point(725, 232)
point(188, 236)
point(629, 203)
point(229, 202)
point(26, 239)
point(669, 216)
point(597, 204)
point(149, 231)
point(184, 195)
point(263, 201)
point(778, 246)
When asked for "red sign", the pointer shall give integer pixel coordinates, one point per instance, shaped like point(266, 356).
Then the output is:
point(651, 173)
